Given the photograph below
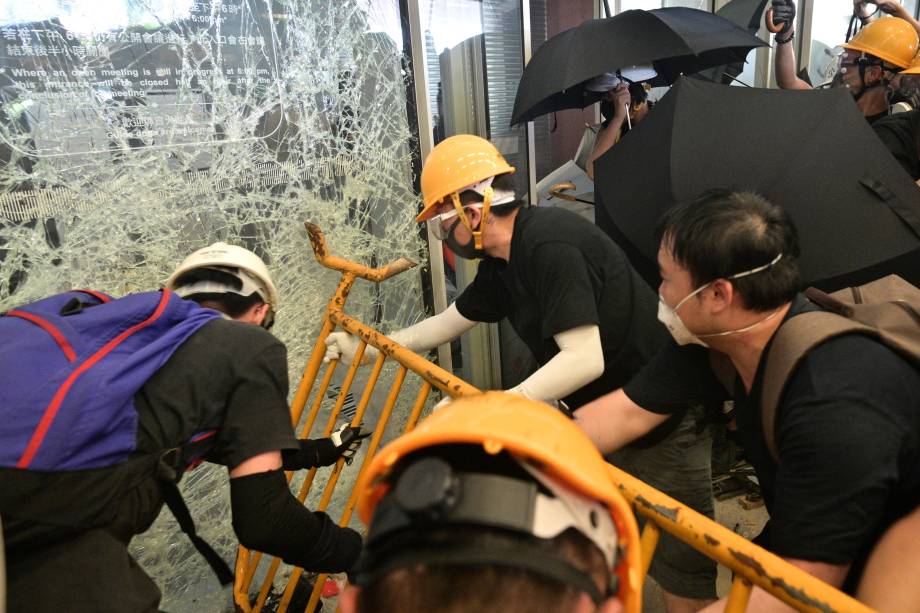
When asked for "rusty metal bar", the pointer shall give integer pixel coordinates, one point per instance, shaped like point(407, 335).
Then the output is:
point(649, 541)
point(337, 469)
point(374, 443)
point(739, 596)
point(318, 400)
point(789, 583)
point(321, 251)
point(371, 452)
point(412, 421)
point(418, 406)
point(319, 349)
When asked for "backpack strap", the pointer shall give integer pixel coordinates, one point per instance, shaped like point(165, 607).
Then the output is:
point(171, 464)
point(792, 342)
point(178, 508)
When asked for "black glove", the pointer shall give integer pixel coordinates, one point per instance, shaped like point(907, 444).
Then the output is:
point(784, 11)
point(314, 452)
point(346, 441)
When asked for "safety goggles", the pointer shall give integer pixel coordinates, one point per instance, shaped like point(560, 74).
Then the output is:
point(846, 61)
point(442, 225)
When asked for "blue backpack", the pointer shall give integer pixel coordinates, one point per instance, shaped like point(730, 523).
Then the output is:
point(70, 365)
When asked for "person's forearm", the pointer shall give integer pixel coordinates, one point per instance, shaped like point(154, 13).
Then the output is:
point(613, 421)
point(580, 361)
point(763, 602)
point(268, 518)
point(433, 331)
point(785, 68)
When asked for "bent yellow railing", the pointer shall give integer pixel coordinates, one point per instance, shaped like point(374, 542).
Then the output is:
point(751, 564)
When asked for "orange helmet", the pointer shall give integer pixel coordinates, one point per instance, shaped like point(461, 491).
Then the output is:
point(558, 458)
point(914, 67)
point(891, 39)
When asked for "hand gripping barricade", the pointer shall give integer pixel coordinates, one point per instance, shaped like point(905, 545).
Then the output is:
point(751, 564)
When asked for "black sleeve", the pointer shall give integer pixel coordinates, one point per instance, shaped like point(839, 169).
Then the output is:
point(256, 419)
point(563, 289)
point(268, 518)
point(674, 380)
point(899, 134)
point(841, 435)
point(311, 453)
point(485, 299)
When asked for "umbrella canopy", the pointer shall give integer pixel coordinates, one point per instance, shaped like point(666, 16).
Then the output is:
point(675, 40)
point(812, 152)
point(745, 13)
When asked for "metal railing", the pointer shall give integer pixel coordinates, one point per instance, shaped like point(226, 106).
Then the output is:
point(751, 564)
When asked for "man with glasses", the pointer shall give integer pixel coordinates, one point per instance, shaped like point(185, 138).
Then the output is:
point(585, 314)
point(868, 63)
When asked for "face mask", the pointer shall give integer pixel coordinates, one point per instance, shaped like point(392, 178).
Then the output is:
point(682, 334)
point(467, 251)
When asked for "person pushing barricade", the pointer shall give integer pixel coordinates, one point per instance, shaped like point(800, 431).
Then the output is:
point(826, 393)
point(494, 503)
point(584, 313)
point(105, 402)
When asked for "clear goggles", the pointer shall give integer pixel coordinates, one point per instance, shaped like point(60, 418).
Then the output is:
point(442, 225)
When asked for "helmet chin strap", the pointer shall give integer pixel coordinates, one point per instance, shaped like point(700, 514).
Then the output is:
point(486, 205)
point(882, 82)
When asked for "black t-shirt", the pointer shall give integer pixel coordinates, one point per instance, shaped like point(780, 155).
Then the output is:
point(901, 134)
point(563, 272)
point(848, 434)
point(228, 376)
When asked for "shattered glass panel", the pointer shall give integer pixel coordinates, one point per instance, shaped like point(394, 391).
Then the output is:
point(134, 132)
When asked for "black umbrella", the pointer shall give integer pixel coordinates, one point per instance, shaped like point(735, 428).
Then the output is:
point(675, 40)
point(857, 211)
point(744, 13)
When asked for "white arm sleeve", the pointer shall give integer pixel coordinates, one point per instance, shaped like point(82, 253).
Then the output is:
point(436, 330)
point(425, 335)
point(580, 361)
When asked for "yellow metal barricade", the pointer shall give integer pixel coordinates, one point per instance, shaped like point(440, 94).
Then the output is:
point(751, 564)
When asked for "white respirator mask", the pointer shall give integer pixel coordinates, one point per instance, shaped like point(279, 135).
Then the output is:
point(682, 334)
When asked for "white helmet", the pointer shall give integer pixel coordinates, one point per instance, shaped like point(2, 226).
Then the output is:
point(241, 263)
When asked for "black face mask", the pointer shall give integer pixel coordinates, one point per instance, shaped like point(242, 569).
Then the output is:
point(467, 251)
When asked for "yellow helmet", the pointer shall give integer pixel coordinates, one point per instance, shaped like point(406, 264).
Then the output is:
point(455, 164)
point(914, 67)
point(544, 442)
point(891, 39)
